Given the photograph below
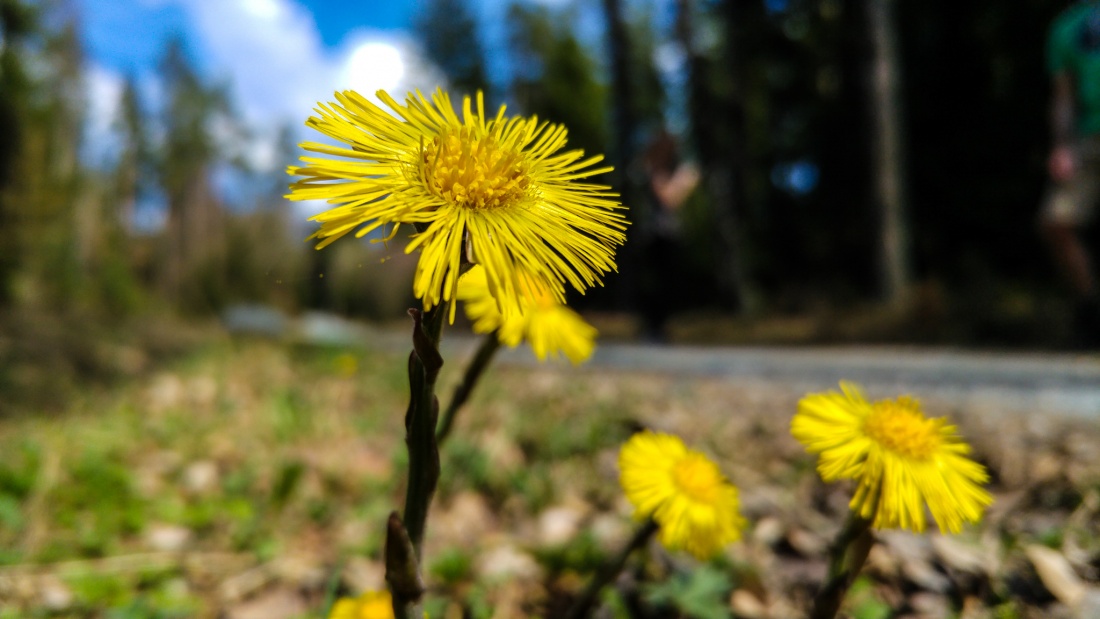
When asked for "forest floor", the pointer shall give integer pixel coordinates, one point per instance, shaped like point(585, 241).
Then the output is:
point(250, 479)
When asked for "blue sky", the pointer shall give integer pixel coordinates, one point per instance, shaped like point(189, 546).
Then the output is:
point(128, 35)
point(278, 57)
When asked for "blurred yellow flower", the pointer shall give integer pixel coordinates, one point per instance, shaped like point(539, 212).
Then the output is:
point(346, 364)
point(899, 458)
point(549, 326)
point(683, 491)
point(495, 189)
point(370, 605)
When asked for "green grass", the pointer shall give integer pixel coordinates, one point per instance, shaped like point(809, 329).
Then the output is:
point(289, 459)
point(243, 445)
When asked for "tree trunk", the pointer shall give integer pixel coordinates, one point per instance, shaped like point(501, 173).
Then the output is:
point(625, 127)
point(719, 154)
point(888, 152)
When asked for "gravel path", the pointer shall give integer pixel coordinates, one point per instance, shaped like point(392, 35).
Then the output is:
point(991, 382)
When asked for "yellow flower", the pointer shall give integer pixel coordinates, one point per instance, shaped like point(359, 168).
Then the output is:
point(683, 491)
point(495, 189)
point(899, 458)
point(546, 324)
point(370, 605)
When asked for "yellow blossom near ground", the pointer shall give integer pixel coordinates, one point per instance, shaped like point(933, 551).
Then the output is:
point(370, 605)
point(900, 459)
point(550, 327)
point(696, 507)
point(496, 191)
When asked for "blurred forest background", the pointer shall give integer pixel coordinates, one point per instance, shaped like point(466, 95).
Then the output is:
point(871, 171)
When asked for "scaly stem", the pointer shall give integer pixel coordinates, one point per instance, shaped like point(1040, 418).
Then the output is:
point(420, 420)
point(611, 570)
point(846, 558)
point(405, 536)
point(474, 370)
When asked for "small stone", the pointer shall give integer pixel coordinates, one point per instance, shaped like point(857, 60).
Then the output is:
point(361, 574)
point(1056, 574)
point(353, 531)
point(961, 556)
point(277, 604)
point(559, 524)
point(55, 596)
point(200, 477)
point(611, 531)
point(882, 562)
point(905, 545)
point(744, 604)
point(462, 522)
point(806, 543)
point(930, 605)
point(1045, 468)
point(925, 576)
point(768, 531)
point(167, 537)
point(202, 391)
point(300, 570)
point(501, 451)
point(507, 562)
point(246, 583)
point(1088, 607)
point(166, 391)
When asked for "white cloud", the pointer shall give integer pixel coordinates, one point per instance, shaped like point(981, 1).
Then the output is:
point(269, 50)
point(375, 64)
point(103, 88)
point(271, 53)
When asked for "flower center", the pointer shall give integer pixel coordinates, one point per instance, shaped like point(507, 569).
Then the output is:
point(697, 477)
point(899, 426)
point(473, 172)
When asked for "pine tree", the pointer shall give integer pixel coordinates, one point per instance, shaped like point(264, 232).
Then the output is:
point(449, 34)
point(190, 150)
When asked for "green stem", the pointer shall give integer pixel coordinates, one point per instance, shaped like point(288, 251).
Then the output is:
point(611, 570)
point(846, 557)
point(489, 346)
point(330, 588)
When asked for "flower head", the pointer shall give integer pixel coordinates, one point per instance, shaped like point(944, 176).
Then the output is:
point(370, 605)
point(900, 459)
point(549, 326)
point(498, 191)
point(683, 491)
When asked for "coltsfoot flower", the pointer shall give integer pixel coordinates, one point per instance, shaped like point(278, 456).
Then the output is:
point(370, 605)
point(500, 191)
point(900, 459)
point(550, 327)
point(683, 491)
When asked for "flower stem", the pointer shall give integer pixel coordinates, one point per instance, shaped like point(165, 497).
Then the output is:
point(405, 536)
point(420, 420)
point(611, 570)
point(846, 558)
point(474, 370)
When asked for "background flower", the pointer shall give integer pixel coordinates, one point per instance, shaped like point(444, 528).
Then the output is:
point(370, 605)
point(549, 326)
point(696, 507)
point(899, 458)
point(494, 190)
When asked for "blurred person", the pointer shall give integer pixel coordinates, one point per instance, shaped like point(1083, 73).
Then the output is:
point(1073, 57)
point(669, 183)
